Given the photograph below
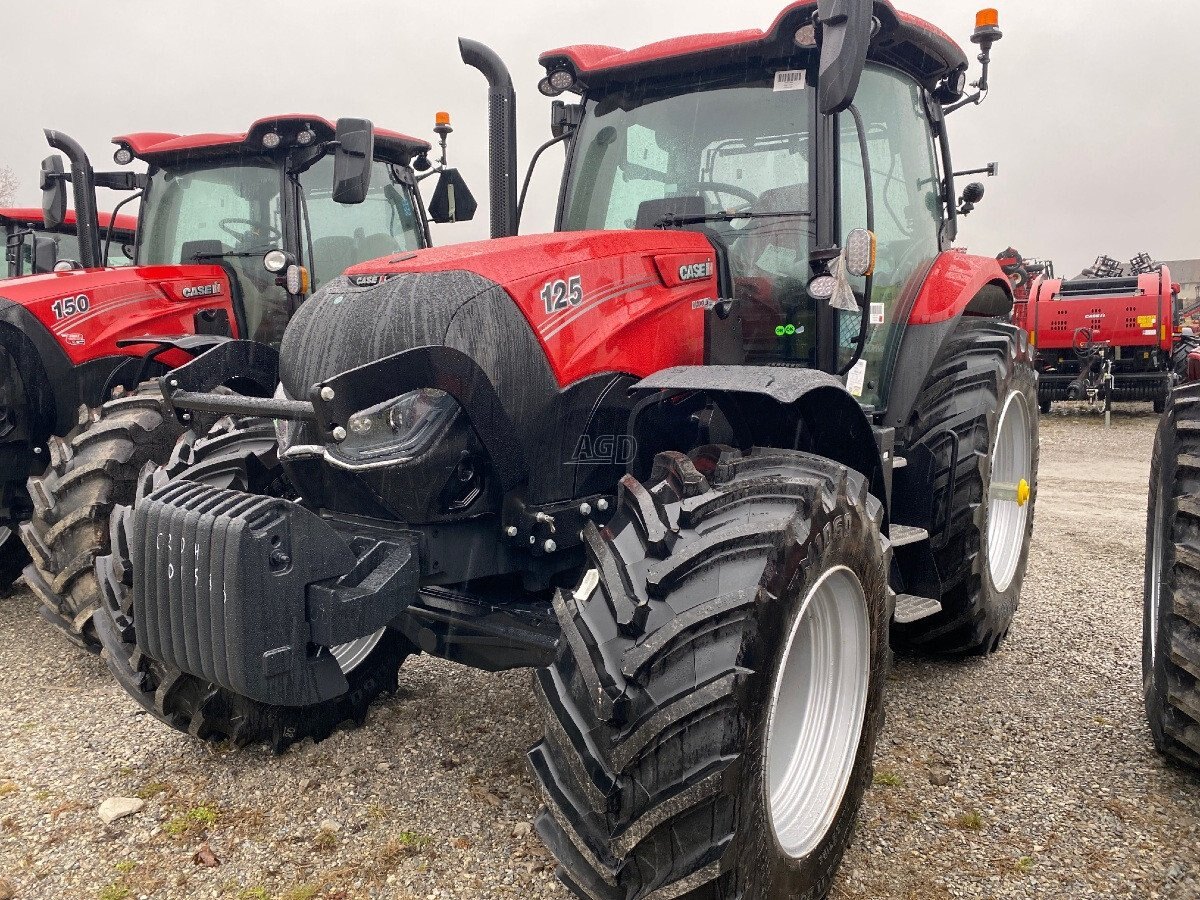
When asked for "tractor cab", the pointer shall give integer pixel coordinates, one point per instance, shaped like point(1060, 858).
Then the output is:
point(30, 248)
point(729, 135)
point(262, 207)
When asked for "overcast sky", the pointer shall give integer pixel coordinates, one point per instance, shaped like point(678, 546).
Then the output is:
point(1093, 113)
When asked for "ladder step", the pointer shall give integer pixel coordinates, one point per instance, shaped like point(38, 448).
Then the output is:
point(911, 608)
point(902, 535)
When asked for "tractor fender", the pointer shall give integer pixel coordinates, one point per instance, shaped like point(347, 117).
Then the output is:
point(781, 407)
point(957, 285)
point(51, 383)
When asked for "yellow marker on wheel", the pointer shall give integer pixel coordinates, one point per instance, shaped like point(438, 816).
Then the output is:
point(1019, 492)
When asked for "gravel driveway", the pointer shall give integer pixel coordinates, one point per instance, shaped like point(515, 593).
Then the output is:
point(1028, 775)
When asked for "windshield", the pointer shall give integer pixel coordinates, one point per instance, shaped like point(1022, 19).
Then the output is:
point(737, 157)
point(344, 235)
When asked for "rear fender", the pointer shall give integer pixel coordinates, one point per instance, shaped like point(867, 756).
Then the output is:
point(957, 285)
point(781, 407)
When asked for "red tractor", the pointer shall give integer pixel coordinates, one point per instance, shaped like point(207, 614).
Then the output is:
point(1105, 336)
point(698, 457)
point(31, 248)
point(235, 230)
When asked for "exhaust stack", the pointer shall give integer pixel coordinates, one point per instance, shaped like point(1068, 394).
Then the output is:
point(502, 134)
point(83, 182)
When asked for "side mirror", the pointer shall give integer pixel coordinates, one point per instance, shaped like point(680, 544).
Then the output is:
point(452, 200)
point(846, 30)
point(45, 254)
point(352, 160)
point(54, 191)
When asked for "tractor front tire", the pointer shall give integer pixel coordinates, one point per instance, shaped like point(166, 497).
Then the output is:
point(713, 712)
point(978, 409)
point(235, 455)
point(1171, 618)
point(92, 470)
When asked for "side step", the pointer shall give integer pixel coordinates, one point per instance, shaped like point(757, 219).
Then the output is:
point(911, 608)
point(902, 535)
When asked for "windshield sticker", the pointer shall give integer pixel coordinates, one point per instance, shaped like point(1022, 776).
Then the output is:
point(779, 261)
point(794, 80)
point(878, 313)
point(856, 379)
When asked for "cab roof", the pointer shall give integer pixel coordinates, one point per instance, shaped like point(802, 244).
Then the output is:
point(904, 41)
point(33, 216)
point(165, 149)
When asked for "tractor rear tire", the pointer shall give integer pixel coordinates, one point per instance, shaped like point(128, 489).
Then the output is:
point(982, 381)
point(93, 470)
point(1171, 620)
point(713, 712)
point(237, 455)
point(1044, 407)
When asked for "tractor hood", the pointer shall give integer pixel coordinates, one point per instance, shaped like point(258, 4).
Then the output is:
point(594, 300)
point(88, 310)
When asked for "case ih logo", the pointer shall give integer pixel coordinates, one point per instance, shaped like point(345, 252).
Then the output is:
point(202, 290)
point(694, 271)
point(368, 280)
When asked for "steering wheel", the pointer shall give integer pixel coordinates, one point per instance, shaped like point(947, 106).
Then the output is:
point(720, 187)
point(269, 233)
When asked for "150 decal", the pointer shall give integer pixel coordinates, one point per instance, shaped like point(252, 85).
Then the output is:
point(559, 295)
point(70, 306)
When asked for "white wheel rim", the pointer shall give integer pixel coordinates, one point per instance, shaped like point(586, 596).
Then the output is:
point(352, 654)
point(818, 707)
point(1156, 560)
point(1009, 491)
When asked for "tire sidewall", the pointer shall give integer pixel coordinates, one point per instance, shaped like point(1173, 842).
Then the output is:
point(843, 536)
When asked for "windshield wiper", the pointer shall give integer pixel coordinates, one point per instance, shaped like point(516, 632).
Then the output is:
point(229, 254)
point(670, 220)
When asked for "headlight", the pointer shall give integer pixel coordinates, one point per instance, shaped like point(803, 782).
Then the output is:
point(397, 430)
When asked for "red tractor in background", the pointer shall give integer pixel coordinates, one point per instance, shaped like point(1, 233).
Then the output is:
point(1106, 336)
point(697, 457)
point(234, 232)
point(30, 248)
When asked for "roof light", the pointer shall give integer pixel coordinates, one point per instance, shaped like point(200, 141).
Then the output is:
point(562, 80)
point(123, 156)
point(441, 118)
point(807, 36)
point(987, 18)
point(547, 89)
point(271, 140)
point(305, 137)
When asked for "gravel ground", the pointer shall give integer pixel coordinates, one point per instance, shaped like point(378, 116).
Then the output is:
point(1029, 774)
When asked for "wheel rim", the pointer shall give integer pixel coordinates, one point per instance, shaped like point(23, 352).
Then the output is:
point(1156, 567)
point(352, 654)
point(1009, 491)
point(818, 707)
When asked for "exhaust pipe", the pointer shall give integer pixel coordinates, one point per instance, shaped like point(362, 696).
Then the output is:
point(83, 182)
point(502, 134)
